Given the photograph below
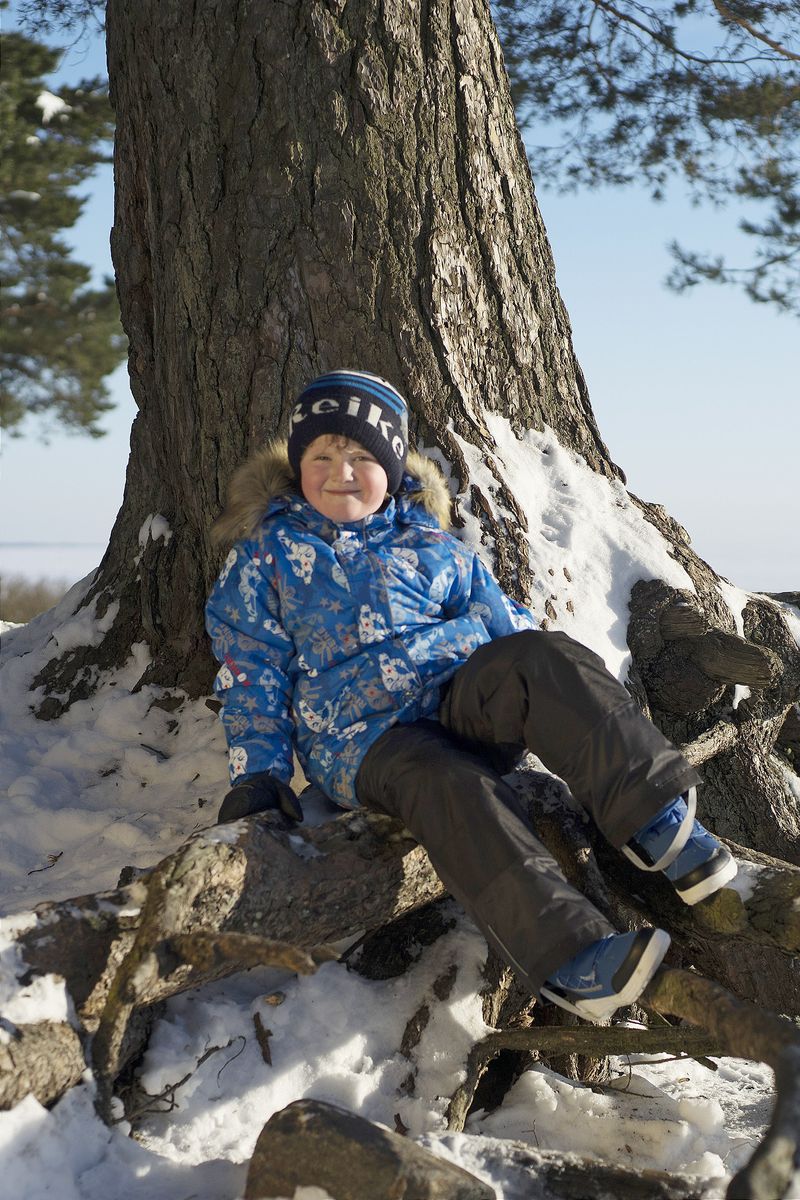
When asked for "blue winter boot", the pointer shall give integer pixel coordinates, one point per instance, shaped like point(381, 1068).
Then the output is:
point(607, 974)
point(691, 858)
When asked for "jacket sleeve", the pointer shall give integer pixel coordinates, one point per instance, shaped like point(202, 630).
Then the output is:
point(481, 596)
point(254, 652)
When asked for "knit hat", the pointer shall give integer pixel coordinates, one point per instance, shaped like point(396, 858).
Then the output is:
point(355, 405)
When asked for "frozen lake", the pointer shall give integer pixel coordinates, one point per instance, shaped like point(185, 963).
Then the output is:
point(59, 562)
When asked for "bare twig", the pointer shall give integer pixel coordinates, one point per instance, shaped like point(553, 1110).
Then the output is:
point(262, 1037)
point(52, 859)
point(167, 1094)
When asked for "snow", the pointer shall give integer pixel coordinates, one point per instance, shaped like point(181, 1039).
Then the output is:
point(580, 521)
point(153, 528)
point(791, 614)
point(43, 998)
point(116, 781)
point(121, 780)
point(19, 194)
point(336, 1037)
point(746, 878)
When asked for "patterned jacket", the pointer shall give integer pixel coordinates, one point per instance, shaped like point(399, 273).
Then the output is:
point(329, 634)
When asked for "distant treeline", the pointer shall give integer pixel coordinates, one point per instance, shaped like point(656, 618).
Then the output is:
point(21, 598)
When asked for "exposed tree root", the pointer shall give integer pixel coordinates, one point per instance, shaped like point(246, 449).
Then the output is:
point(745, 1031)
point(255, 892)
point(575, 1039)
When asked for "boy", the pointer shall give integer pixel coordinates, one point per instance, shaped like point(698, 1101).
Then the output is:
point(351, 625)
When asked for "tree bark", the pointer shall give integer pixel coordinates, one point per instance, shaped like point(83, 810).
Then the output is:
point(311, 1143)
point(301, 186)
point(687, 658)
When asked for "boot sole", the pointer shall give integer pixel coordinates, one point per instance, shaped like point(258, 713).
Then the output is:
point(630, 980)
point(706, 879)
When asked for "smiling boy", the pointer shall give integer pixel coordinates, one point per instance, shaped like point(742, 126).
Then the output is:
point(352, 627)
point(341, 479)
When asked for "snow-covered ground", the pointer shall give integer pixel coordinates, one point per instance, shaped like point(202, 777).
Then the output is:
point(117, 781)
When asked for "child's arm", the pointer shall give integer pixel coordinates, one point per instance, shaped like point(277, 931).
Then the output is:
point(254, 652)
point(481, 593)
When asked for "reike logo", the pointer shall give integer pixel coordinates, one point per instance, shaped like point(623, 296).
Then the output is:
point(353, 406)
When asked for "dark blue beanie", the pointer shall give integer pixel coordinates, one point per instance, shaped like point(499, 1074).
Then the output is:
point(355, 405)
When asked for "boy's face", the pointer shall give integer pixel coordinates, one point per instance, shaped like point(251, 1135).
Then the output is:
point(341, 479)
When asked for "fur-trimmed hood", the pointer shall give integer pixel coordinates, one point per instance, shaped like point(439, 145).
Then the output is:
point(267, 475)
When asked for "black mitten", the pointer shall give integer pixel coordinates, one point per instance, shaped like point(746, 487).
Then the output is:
point(258, 794)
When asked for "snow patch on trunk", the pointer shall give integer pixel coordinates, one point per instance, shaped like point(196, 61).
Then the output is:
point(589, 542)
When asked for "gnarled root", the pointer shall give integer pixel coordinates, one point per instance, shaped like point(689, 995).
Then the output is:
point(745, 1031)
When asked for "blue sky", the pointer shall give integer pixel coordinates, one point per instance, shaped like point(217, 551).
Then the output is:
point(696, 396)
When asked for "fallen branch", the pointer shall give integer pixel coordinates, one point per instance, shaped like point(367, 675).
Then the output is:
point(721, 736)
point(313, 1147)
point(42, 1060)
point(595, 1040)
point(745, 1031)
point(257, 884)
point(121, 951)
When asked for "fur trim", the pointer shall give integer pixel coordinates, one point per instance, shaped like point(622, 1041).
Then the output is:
point(435, 494)
point(267, 474)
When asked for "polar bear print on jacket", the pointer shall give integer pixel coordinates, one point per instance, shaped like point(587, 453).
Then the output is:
point(225, 678)
point(407, 561)
point(439, 585)
point(269, 625)
point(481, 610)
point(371, 626)
point(338, 576)
point(238, 760)
point(248, 580)
point(301, 556)
point(315, 721)
point(395, 674)
point(230, 563)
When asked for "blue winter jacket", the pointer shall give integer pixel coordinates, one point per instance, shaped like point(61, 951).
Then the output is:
point(329, 634)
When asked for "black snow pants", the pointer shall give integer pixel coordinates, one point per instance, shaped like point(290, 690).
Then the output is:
point(549, 694)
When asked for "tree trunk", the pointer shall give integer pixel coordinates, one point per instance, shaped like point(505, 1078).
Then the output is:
point(687, 658)
point(299, 187)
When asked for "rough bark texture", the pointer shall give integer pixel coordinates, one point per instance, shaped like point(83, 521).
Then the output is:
point(749, 1032)
point(121, 951)
point(543, 1043)
point(687, 659)
point(316, 1144)
point(301, 186)
point(313, 1144)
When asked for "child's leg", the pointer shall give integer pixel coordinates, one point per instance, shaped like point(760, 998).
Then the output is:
point(554, 696)
point(465, 816)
